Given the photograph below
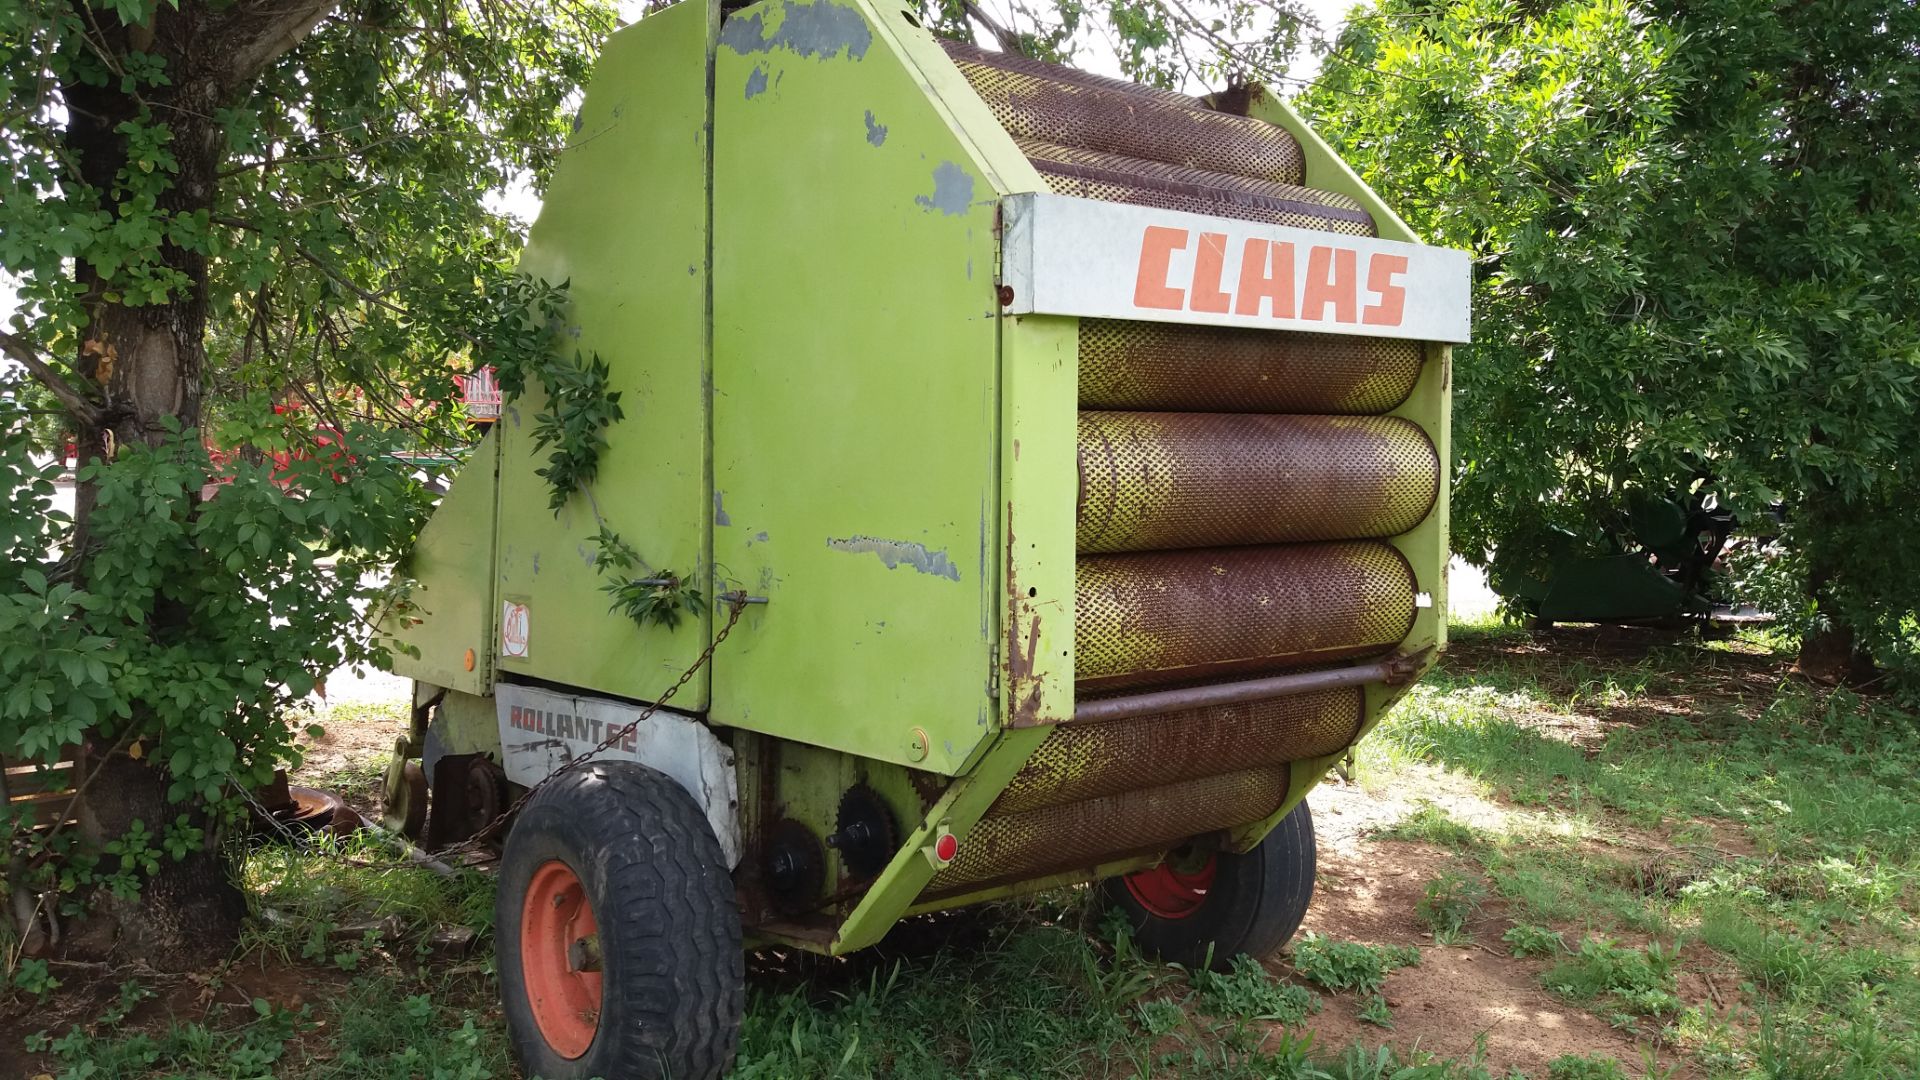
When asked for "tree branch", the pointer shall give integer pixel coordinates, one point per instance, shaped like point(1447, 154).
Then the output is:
point(255, 33)
point(83, 408)
point(1009, 41)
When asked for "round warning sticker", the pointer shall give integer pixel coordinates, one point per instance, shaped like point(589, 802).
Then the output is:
point(513, 629)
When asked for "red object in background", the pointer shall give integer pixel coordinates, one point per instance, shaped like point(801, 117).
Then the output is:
point(480, 393)
point(281, 461)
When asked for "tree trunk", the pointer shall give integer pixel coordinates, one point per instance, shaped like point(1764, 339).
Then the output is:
point(149, 361)
point(188, 914)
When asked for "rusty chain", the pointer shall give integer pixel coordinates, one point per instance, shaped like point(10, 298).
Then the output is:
point(735, 608)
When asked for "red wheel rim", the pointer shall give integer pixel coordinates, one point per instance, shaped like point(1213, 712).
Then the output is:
point(1168, 892)
point(557, 935)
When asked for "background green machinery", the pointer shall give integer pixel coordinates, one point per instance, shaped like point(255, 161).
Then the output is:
point(781, 231)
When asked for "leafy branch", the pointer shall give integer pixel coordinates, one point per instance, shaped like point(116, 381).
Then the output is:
point(580, 407)
point(519, 344)
point(653, 598)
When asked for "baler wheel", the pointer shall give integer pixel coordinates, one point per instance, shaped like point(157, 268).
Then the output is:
point(618, 939)
point(1200, 907)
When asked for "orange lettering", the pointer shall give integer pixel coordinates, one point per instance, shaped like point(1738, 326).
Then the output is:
point(1257, 284)
point(1150, 289)
point(1330, 280)
point(1207, 265)
point(1381, 270)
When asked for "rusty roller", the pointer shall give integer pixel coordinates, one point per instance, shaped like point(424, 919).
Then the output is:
point(1081, 835)
point(1081, 761)
point(1113, 178)
point(1136, 365)
point(1036, 100)
point(1182, 480)
point(1172, 616)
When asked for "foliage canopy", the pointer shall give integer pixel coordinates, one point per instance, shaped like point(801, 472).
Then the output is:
point(1696, 231)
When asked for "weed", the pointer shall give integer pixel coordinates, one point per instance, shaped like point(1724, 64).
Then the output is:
point(1527, 940)
point(1375, 1010)
point(1382, 1063)
point(34, 977)
point(1448, 902)
point(1430, 824)
point(1640, 980)
point(1585, 1067)
point(1160, 1016)
point(131, 995)
point(1347, 965)
point(1248, 992)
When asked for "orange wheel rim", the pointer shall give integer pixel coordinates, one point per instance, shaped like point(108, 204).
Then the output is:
point(558, 937)
point(1170, 893)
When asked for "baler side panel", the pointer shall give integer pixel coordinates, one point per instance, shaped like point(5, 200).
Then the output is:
point(452, 565)
point(855, 346)
point(1040, 371)
point(624, 223)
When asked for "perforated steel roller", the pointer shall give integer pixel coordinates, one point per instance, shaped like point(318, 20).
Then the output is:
point(1090, 174)
point(1082, 835)
point(1086, 760)
point(1172, 616)
point(1182, 480)
point(1138, 365)
point(1051, 103)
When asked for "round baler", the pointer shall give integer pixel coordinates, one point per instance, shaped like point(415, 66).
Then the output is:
point(1056, 462)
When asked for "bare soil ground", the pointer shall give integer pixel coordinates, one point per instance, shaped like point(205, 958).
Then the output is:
point(1458, 1000)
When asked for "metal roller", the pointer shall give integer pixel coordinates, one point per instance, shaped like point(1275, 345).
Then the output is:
point(1138, 365)
point(1035, 100)
point(1184, 480)
point(1090, 174)
point(1164, 617)
point(1082, 761)
point(1082, 835)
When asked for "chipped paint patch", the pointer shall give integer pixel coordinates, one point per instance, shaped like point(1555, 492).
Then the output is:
point(898, 553)
point(720, 509)
point(820, 30)
point(876, 131)
point(952, 191)
point(756, 82)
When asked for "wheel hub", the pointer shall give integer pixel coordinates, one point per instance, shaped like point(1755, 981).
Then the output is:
point(1176, 888)
point(560, 959)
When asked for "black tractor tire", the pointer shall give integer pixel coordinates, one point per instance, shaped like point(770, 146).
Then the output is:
point(627, 848)
point(1253, 904)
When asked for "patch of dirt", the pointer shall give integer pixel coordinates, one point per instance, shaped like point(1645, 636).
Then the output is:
point(1346, 813)
point(354, 745)
point(1455, 996)
point(220, 999)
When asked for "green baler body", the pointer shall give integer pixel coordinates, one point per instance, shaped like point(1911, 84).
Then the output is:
point(783, 231)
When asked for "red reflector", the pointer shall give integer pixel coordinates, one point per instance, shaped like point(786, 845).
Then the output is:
point(946, 848)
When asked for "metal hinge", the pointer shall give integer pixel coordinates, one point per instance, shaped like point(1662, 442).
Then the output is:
point(993, 671)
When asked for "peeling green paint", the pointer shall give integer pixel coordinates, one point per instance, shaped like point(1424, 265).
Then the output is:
point(818, 31)
point(896, 553)
point(952, 190)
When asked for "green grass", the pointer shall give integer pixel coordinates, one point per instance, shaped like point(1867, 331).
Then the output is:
point(1708, 800)
point(379, 999)
point(1446, 905)
point(1703, 852)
